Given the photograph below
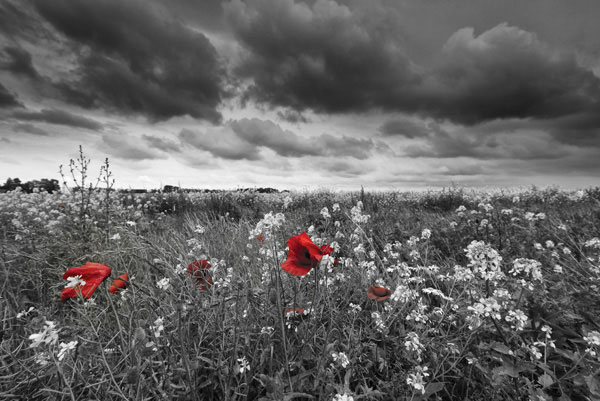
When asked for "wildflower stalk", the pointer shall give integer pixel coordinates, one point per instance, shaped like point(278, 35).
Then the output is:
point(112, 377)
point(281, 322)
point(185, 358)
point(112, 306)
point(63, 378)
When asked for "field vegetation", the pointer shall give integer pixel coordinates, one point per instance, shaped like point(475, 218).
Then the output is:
point(447, 295)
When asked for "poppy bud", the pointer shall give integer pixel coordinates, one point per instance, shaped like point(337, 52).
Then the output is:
point(119, 283)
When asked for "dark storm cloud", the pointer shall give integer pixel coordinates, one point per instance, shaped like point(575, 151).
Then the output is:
point(505, 72)
point(207, 14)
point(29, 129)
point(331, 57)
point(19, 62)
point(134, 60)
point(323, 56)
point(404, 127)
point(163, 144)
point(243, 139)
point(60, 117)
point(7, 99)
point(440, 143)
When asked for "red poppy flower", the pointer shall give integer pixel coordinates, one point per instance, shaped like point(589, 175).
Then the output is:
point(121, 282)
point(326, 250)
point(291, 312)
point(303, 255)
point(92, 273)
point(198, 269)
point(260, 238)
point(378, 293)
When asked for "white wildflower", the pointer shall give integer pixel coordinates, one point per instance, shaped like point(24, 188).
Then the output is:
point(164, 283)
point(65, 348)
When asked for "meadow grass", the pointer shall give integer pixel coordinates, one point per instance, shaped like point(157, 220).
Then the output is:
point(493, 296)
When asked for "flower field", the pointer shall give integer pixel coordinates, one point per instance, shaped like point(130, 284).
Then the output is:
point(449, 295)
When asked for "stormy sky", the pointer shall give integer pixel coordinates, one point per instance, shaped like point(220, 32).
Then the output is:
point(298, 94)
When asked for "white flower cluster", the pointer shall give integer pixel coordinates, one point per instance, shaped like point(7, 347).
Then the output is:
point(530, 216)
point(356, 214)
point(164, 283)
point(342, 397)
point(378, 321)
point(417, 379)
point(267, 225)
point(244, 366)
point(593, 341)
point(49, 335)
point(65, 348)
point(341, 358)
point(486, 307)
point(413, 345)
point(403, 294)
point(528, 267)
point(74, 281)
point(462, 273)
point(592, 243)
point(287, 201)
point(517, 319)
point(485, 260)
point(158, 327)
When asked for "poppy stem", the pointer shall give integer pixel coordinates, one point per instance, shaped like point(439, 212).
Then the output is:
point(112, 306)
point(282, 324)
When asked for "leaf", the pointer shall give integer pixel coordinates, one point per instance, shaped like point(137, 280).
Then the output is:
point(501, 348)
point(593, 384)
point(545, 380)
point(506, 370)
point(433, 388)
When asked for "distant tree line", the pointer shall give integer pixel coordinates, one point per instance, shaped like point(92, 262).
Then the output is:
point(45, 184)
point(52, 185)
point(172, 188)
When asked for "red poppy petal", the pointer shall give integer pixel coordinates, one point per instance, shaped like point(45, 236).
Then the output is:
point(293, 266)
point(303, 255)
point(326, 250)
point(92, 273)
point(378, 293)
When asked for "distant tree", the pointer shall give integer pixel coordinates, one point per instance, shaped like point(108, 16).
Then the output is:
point(45, 184)
point(170, 188)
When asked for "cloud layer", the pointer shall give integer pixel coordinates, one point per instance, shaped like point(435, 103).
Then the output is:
point(134, 61)
point(247, 138)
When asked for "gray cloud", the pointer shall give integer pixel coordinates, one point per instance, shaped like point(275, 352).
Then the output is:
point(7, 99)
point(531, 145)
point(324, 55)
point(163, 144)
point(292, 116)
point(221, 142)
point(128, 148)
point(335, 58)
point(29, 129)
point(505, 72)
point(136, 60)
point(61, 117)
point(244, 139)
point(19, 62)
point(404, 127)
